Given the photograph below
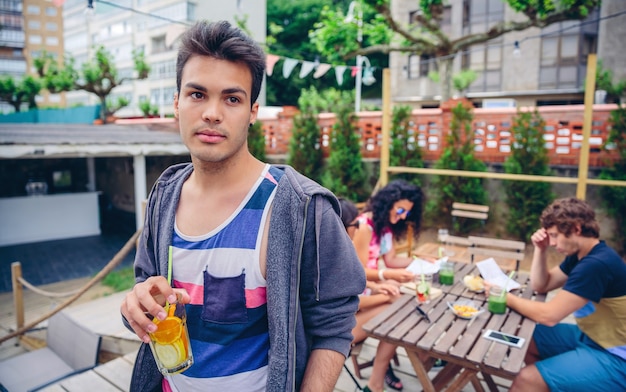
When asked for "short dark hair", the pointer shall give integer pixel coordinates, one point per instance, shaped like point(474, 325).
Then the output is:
point(222, 41)
point(382, 201)
point(349, 212)
point(566, 213)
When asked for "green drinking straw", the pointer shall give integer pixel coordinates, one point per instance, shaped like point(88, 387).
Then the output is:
point(504, 291)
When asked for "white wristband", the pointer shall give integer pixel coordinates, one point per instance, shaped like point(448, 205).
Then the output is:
point(381, 277)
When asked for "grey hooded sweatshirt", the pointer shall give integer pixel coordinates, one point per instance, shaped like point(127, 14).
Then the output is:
point(313, 274)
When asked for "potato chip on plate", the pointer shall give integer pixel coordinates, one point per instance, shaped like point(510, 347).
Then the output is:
point(474, 283)
point(465, 309)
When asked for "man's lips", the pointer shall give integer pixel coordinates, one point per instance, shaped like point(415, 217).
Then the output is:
point(210, 136)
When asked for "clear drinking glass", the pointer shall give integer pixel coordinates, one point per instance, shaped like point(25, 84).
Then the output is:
point(422, 287)
point(170, 342)
point(497, 300)
point(446, 273)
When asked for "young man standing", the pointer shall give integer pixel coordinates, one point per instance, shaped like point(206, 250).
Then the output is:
point(591, 354)
point(259, 254)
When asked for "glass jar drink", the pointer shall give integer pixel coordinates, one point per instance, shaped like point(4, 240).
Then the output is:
point(446, 273)
point(497, 300)
point(170, 342)
point(422, 287)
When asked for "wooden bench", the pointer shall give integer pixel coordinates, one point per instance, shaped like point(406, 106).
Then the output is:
point(507, 253)
point(471, 211)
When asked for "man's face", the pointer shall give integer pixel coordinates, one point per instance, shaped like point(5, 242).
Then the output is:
point(213, 108)
point(563, 244)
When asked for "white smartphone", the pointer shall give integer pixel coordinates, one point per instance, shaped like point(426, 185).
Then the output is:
point(504, 338)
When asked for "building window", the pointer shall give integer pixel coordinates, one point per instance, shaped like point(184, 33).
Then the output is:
point(33, 10)
point(564, 50)
point(51, 11)
point(51, 26)
point(34, 39)
point(427, 64)
point(158, 44)
point(34, 24)
point(485, 59)
point(52, 41)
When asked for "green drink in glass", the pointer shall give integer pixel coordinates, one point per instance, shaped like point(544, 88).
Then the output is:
point(446, 274)
point(497, 300)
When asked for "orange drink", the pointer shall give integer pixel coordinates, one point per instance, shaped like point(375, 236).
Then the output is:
point(170, 342)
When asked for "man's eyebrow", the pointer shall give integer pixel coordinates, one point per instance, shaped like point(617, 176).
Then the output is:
point(232, 90)
point(196, 86)
point(235, 90)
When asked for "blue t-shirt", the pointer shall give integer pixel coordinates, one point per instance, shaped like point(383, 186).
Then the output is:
point(600, 277)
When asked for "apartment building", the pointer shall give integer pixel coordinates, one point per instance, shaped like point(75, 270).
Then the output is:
point(547, 66)
point(12, 41)
point(151, 26)
point(43, 27)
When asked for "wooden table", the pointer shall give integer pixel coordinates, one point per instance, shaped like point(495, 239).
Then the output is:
point(431, 249)
point(453, 339)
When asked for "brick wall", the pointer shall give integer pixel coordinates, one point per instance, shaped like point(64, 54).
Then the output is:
point(492, 127)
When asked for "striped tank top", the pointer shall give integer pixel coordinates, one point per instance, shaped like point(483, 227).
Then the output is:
point(227, 315)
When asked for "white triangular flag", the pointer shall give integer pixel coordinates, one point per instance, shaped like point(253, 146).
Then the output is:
point(307, 67)
point(288, 66)
point(339, 70)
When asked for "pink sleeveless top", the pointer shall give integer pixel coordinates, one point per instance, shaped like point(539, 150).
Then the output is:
point(378, 246)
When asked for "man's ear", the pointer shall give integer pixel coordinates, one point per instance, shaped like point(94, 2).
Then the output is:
point(176, 105)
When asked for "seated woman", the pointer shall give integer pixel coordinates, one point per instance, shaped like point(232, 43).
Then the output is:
point(377, 296)
point(385, 220)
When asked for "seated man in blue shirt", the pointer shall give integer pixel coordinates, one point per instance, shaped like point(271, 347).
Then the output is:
point(591, 354)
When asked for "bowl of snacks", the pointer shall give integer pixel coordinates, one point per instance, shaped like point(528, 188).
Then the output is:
point(474, 283)
point(465, 309)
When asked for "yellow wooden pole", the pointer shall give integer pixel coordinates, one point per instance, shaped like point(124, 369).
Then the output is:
point(583, 163)
point(18, 293)
point(386, 128)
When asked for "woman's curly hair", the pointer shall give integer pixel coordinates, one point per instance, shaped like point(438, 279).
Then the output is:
point(381, 203)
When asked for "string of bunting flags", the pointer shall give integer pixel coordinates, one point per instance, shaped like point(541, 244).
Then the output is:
point(289, 64)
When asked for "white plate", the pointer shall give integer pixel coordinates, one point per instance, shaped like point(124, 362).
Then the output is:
point(465, 302)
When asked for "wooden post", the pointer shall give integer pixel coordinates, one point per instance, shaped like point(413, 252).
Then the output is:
point(583, 162)
point(386, 128)
point(18, 293)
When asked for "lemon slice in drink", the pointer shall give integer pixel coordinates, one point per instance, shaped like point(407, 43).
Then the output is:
point(422, 288)
point(170, 354)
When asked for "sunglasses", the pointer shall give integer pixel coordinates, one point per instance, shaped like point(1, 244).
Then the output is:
point(355, 224)
point(401, 211)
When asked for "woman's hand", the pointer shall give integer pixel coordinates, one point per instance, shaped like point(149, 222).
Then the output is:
point(398, 274)
point(391, 289)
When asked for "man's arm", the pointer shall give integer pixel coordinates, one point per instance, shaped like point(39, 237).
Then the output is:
point(322, 371)
point(550, 313)
point(543, 280)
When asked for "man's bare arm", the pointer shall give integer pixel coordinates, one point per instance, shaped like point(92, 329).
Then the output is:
point(322, 371)
point(550, 313)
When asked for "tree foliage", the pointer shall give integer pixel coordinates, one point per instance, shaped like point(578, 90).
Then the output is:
point(458, 154)
point(527, 199)
point(345, 173)
point(98, 76)
point(604, 81)
point(614, 198)
point(256, 141)
point(382, 33)
point(17, 92)
point(288, 24)
point(403, 149)
point(305, 150)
